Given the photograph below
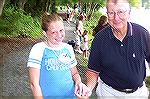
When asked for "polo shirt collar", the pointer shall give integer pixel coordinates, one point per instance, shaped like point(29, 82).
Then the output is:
point(129, 31)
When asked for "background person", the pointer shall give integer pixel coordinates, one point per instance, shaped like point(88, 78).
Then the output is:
point(68, 13)
point(82, 15)
point(118, 56)
point(85, 44)
point(79, 32)
point(52, 63)
point(102, 23)
point(74, 13)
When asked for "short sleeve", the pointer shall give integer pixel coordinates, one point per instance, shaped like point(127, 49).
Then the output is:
point(35, 56)
point(95, 58)
point(147, 51)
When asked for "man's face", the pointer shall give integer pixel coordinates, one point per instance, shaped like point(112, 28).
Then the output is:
point(118, 14)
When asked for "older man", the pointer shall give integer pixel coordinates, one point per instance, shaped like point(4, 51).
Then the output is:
point(118, 56)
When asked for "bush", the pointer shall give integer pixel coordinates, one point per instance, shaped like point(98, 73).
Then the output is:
point(148, 82)
point(90, 24)
point(15, 22)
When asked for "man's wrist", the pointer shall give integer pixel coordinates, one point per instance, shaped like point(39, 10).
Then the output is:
point(78, 82)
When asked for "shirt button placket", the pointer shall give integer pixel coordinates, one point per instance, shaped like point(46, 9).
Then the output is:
point(122, 49)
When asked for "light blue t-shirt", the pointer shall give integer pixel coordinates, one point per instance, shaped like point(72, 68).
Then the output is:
point(54, 65)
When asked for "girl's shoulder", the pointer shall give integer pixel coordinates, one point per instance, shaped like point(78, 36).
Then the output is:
point(66, 45)
point(39, 45)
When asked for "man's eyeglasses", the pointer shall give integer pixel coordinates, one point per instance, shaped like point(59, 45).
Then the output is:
point(120, 13)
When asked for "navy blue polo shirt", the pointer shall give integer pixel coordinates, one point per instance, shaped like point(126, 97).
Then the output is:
point(121, 64)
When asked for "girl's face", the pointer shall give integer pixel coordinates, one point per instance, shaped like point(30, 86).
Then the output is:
point(56, 32)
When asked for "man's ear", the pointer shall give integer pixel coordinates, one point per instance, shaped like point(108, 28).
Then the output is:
point(45, 34)
point(129, 14)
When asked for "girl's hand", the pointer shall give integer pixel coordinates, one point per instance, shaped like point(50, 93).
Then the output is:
point(82, 91)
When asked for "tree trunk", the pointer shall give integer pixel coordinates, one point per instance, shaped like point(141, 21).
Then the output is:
point(41, 5)
point(53, 7)
point(92, 8)
point(45, 4)
point(21, 4)
point(48, 5)
point(13, 2)
point(2, 2)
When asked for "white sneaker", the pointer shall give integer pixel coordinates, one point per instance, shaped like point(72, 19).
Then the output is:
point(80, 51)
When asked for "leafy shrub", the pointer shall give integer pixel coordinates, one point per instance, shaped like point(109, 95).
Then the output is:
point(90, 24)
point(148, 82)
point(15, 22)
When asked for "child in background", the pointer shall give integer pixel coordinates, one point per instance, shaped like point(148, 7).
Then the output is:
point(79, 32)
point(78, 42)
point(85, 44)
point(102, 23)
point(68, 13)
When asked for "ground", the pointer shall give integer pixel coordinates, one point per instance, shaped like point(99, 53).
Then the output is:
point(13, 57)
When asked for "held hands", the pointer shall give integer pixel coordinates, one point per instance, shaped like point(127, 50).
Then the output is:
point(82, 91)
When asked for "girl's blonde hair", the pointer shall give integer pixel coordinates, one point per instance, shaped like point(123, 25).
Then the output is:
point(49, 18)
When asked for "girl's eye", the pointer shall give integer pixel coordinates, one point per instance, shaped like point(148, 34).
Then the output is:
point(61, 30)
point(53, 32)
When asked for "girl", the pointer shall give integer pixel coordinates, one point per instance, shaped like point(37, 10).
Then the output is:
point(52, 63)
point(85, 44)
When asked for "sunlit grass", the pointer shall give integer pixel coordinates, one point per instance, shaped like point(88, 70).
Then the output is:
point(148, 82)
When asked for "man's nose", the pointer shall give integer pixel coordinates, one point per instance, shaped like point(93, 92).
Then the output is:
point(116, 16)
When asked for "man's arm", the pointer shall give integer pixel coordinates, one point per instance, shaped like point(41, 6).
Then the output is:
point(149, 65)
point(91, 78)
point(147, 36)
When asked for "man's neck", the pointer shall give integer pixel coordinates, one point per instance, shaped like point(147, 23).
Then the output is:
point(120, 33)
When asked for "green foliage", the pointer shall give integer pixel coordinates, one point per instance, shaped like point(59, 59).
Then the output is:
point(14, 23)
point(95, 1)
point(135, 3)
point(148, 82)
point(81, 60)
point(147, 4)
point(65, 2)
point(90, 24)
